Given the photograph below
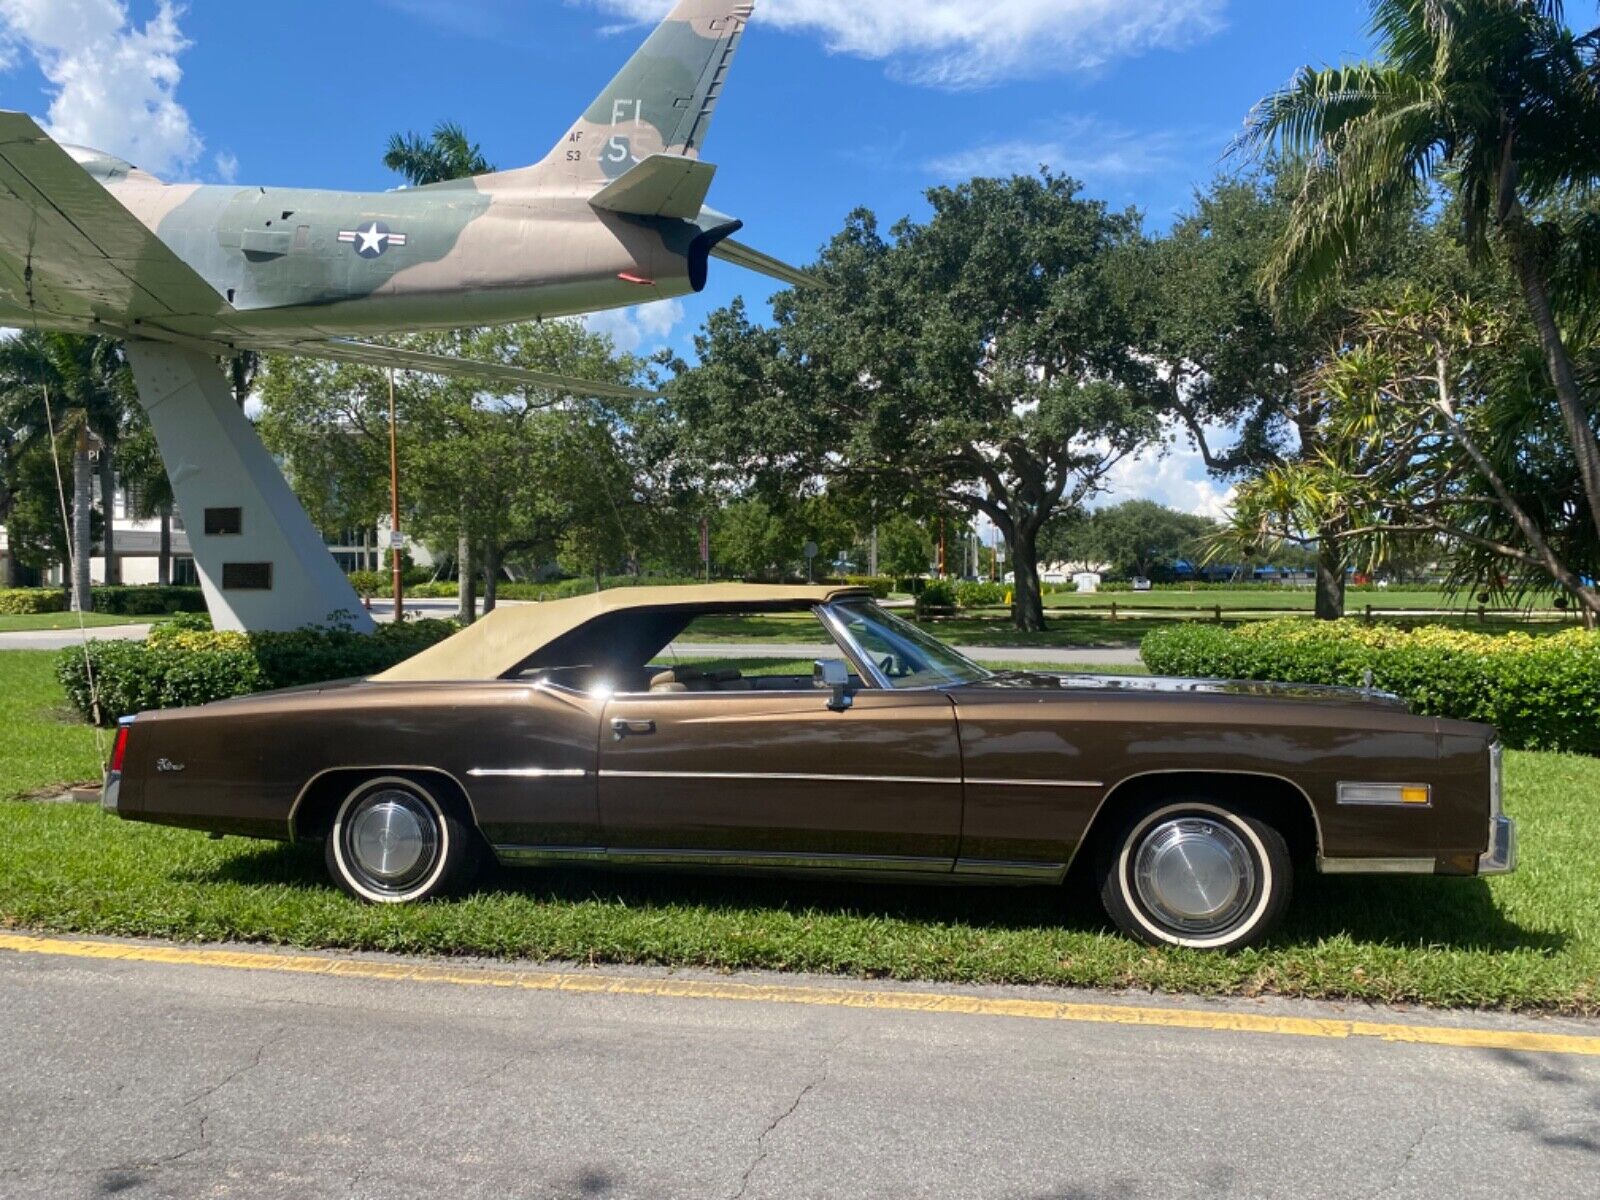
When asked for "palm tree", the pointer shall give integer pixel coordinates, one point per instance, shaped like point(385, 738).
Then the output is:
point(1498, 99)
point(90, 392)
point(444, 155)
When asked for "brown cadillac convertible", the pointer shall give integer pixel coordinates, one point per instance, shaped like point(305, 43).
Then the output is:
point(564, 733)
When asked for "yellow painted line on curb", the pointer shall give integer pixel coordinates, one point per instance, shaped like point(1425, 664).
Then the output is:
point(764, 993)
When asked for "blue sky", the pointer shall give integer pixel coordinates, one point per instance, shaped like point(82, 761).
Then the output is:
point(831, 104)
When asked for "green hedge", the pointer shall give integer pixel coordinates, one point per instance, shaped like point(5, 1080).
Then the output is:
point(982, 595)
point(115, 600)
point(181, 665)
point(381, 583)
point(27, 602)
point(148, 601)
point(560, 589)
point(1543, 693)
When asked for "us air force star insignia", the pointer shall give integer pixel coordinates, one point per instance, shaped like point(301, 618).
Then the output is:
point(372, 239)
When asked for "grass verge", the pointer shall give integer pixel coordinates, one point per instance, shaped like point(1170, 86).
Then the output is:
point(34, 622)
point(1527, 941)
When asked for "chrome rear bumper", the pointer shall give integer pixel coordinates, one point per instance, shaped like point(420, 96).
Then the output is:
point(1501, 856)
point(109, 791)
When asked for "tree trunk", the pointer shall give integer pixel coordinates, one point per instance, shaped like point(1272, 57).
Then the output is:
point(8, 569)
point(82, 547)
point(1330, 581)
point(491, 578)
point(1574, 407)
point(1027, 609)
point(466, 583)
point(164, 553)
point(108, 509)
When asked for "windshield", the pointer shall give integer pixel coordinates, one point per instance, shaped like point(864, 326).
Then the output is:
point(906, 656)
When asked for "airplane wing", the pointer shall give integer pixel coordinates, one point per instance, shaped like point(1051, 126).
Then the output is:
point(70, 248)
point(68, 242)
point(370, 354)
point(763, 264)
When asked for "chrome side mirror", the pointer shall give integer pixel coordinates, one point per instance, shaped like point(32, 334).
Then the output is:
point(834, 675)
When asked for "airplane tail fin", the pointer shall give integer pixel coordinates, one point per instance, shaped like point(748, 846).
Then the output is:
point(662, 101)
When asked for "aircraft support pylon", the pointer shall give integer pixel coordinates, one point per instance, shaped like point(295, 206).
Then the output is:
point(261, 562)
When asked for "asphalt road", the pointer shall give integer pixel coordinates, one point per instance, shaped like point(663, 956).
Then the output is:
point(144, 1079)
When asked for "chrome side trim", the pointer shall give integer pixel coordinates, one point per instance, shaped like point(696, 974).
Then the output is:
point(1044, 872)
point(1375, 866)
point(777, 775)
point(551, 855)
point(780, 860)
point(1039, 783)
point(529, 773)
point(1109, 797)
point(378, 769)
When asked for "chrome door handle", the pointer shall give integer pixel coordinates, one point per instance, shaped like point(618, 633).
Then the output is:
point(621, 728)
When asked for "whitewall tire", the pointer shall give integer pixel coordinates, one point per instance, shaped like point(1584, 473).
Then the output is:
point(1195, 873)
point(394, 841)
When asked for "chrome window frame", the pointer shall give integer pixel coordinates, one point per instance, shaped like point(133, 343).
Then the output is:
point(841, 634)
point(864, 668)
point(833, 622)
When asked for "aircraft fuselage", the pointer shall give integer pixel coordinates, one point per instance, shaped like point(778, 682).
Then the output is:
point(315, 263)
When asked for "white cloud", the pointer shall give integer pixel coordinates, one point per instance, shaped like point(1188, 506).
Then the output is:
point(644, 329)
point(112, 82)
point(1174, 474)
point(227, 166)
point(974, 43)
point(1080, 146)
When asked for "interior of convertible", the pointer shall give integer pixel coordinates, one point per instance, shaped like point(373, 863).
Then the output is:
point(673, 650)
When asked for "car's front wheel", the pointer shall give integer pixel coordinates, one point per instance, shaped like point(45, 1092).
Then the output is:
point(1195, 873)
point(394, 841)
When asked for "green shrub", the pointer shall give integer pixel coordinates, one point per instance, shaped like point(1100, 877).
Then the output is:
point(180, 665)
point(981, 595)
point(936, 595)
point(148, 601)
point(369, 584)
point(27, 602)
point(1543, 693)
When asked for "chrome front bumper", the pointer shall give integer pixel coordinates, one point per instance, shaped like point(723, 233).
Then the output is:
point(1501, 856)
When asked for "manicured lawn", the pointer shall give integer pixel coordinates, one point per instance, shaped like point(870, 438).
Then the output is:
point(1528, 941)
point(42, 742)
point(36, 621)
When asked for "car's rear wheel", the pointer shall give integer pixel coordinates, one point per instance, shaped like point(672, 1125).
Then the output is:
point(394, 841)
point(1196, 873)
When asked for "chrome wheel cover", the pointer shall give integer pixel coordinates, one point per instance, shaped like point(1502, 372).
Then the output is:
point(391, 840)
point(1194, 874)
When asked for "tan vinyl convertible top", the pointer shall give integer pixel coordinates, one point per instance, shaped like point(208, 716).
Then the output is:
point(508, 637)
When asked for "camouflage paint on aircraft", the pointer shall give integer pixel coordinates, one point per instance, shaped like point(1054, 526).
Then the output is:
point(613, 216)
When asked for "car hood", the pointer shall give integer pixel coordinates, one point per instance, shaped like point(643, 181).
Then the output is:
point(1310, 693)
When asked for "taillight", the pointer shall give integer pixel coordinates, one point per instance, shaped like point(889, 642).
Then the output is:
point(118, 750)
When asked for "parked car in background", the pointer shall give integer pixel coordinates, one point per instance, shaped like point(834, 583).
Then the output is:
point(1141, 584)
point(572, 733)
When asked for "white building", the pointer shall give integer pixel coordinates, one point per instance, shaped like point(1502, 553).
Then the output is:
point(137, 544)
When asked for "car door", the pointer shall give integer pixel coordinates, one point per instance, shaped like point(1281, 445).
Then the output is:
point(779, 779)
